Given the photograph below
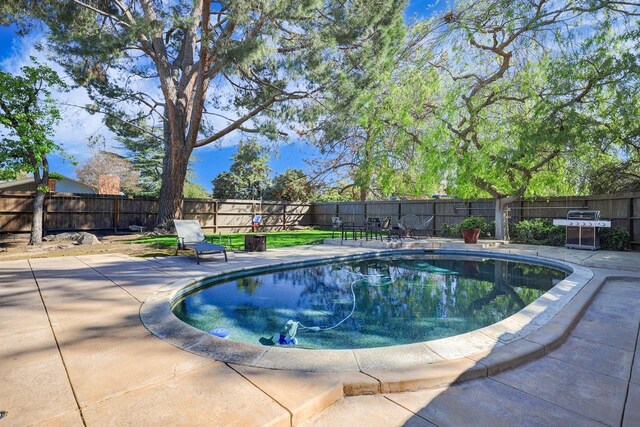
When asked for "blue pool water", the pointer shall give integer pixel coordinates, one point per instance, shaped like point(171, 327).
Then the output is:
point(399, 299)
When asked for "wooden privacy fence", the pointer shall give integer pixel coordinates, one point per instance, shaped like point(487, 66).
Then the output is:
point(67, 212)
point(101, 212)
point(622, 209)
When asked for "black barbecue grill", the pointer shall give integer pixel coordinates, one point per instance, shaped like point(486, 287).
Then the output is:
point(582, 228)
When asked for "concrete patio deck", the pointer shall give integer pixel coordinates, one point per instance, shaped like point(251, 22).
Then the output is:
point(74, 352)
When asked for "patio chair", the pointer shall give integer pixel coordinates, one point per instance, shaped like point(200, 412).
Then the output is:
point(423, 228)
point(336, 224)
point(407, 223)
point(413, 226)
point(386, 226)
point(190, 236)
point(398, 230)
point(376, 228)
point(372, 228)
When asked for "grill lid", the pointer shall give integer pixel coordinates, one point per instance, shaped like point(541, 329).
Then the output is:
point(587, 215)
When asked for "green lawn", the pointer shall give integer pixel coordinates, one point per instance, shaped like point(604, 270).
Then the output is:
point(275, 239)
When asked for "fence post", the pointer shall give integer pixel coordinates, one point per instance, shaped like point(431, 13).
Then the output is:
point(116, 213)
point(434, 220)
point(630, 222)
point(284, 217)
point(215, 216)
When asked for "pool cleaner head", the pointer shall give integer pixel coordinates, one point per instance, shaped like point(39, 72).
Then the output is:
point(287, 336)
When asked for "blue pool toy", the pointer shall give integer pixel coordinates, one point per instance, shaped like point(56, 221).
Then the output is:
point(220, 332)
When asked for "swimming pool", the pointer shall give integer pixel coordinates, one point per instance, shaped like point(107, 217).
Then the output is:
point(367, 302)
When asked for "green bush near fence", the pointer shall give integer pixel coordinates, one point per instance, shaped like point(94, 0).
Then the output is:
point(614, 239)
point(537, 232)
point(452, 231)
point(543, 232)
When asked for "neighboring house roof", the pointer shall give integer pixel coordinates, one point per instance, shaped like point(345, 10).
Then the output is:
point(15, 183)
point(24, 182)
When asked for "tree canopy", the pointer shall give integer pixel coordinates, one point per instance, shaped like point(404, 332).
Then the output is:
point(202, 70)
point(248, 176)
point(107, 163)
point(507, 99)
point(27, 116)
point(526, 95)
point(292, 185)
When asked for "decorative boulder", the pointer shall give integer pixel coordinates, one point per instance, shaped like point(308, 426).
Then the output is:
point(88, 239)
point(82, 238)
point(62, 236)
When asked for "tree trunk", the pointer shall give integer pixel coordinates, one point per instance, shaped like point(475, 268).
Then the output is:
point(36, 222)
point(42, 183)
point(363, 194)
point(502, 218)
point(174, 172)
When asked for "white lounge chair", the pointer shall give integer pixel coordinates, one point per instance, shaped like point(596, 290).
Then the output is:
point(190, 236)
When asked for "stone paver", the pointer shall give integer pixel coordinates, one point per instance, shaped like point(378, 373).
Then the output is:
point(367, 411)
point(123, 375)
point(108, 358)
point(486, 403)
point(304, 394)
point(622, 288)
point(611, 316)
point(213, 395)
point(591, 394)
point(612, 361)
point(35, 391)
point(70, 419)
point(635, 369)
point(607, 334)
point(632, 410)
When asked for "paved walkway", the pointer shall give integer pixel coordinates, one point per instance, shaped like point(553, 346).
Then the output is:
point(73, 352)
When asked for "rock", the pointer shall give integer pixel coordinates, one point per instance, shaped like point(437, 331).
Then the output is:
point(62, 236)
point(82, 238)
point(88, 239)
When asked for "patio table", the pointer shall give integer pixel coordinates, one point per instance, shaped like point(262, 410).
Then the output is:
point(353, 229)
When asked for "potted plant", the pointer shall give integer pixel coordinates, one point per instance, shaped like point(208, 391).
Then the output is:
point(470, 228)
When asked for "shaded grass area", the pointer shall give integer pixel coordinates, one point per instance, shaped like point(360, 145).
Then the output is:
point(275, 239)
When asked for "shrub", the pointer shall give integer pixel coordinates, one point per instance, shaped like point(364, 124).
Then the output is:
point(473, 222)
point(614, 239)
point(450, 231)
point(538, 232)
point(487, 229)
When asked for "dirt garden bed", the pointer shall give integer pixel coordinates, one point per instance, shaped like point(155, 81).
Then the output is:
point(14, 247)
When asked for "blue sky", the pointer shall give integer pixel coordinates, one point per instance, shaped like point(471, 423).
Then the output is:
point(210, 161)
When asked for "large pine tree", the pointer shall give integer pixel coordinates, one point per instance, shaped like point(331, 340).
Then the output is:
point(205, 69)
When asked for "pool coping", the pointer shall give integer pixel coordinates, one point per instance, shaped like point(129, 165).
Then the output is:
point(529, 333)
